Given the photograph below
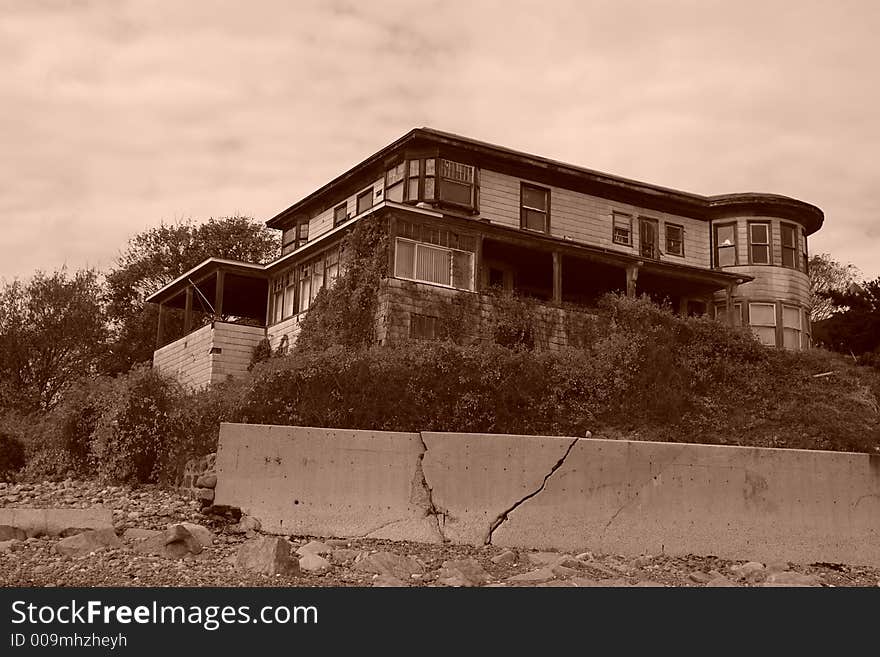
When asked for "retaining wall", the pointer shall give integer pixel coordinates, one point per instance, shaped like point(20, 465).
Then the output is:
point(623, 497)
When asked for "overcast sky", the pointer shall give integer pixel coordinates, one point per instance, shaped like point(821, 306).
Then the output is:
point(116, 116)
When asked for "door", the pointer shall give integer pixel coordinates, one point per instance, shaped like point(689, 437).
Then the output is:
point(649, 238)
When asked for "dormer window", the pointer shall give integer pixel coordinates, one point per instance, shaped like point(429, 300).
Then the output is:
point(441, 182)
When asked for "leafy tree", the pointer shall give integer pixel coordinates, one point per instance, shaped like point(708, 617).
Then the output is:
point(855, 328)
point(157, 256)
point(828, 276)
point(52, 331)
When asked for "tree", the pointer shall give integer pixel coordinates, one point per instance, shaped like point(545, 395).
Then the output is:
point(157, 256)
point(52, 331)
point(826, 277)
point(855, 328)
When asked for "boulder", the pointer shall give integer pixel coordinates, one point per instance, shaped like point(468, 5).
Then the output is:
point(313, 563)
point(314, 547)
point(208, 480)
point(389, 581)
point(245, 525)
point(87, 542)
point(388, 563)
point(175, 542)
point(268, 555)
point(462, 572)
point(202, 534)
point(9, 546)
point(7, 533)
point(505, 558)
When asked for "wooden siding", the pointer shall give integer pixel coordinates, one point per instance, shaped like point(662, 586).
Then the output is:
point(191, 362)
point(289, 327)
point(323, 221)
point(588, 219)
point(776, 283)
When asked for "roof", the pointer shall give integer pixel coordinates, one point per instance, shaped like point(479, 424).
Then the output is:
point(650, 195)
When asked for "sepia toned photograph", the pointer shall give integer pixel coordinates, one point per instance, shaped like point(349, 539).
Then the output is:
point(430, 295)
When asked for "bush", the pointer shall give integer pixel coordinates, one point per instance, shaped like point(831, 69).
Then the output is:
point(11, 456)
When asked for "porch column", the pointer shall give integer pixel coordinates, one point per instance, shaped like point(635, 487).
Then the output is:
point(632, 275)
point(557, 277)
point(729, 306)
point(160, 329)
point(188, 310)
point(218, 294)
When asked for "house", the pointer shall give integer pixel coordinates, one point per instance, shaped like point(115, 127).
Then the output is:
point(465, 217)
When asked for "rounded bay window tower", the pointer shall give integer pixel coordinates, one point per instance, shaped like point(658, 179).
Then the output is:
point(765, 236)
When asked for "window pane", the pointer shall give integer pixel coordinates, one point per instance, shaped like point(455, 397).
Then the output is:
point(534, 198)
point(766, 335)
point(394, 193)
point(395, 175)
point(432, 264)
point(725, 236)
point(726, 256)
point(759, 233)
point(791, 317)
point(305, 288)
point(462, 270)
point(454, 171)
point(429, 167)
point(788, 259)
point(788, 236)
point(278, 303)
point(429, 188)
point(761, 254)
point(340, 214)
point(289, 295)
point(414, 168)
point(674, 241)
point(762, 314)
point(403, 259)
point(791, 339)
point(455, 192)
point(365, 201)
point(534, 220)
point(621, 235)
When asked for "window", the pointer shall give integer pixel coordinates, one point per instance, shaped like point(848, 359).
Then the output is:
point(725, 245)
point(762, 318)
point(789, 246)
point(649, 237)
point(805, 333)
point(289, 294)
point(721, 313)
point(674, 239)
point(622, 229)
point(427, 263)
point(759, 243)
point(805, 256)
point(294, 237)
point(791, 327)
point(534, 210)
point(423, 327)
point(456, 184)
point(394, 182)
point(365, 200)
point(340, 214)
point(412, 185)
point(277, 298)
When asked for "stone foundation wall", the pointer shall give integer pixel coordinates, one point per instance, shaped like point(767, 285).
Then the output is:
point(199, 478)
point(469, 317)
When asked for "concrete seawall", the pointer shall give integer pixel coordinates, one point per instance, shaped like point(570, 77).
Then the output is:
point(623, 497)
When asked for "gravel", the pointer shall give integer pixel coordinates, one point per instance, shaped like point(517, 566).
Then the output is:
point(34, 562)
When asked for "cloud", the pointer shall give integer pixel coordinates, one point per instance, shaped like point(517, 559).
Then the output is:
point(118, 115)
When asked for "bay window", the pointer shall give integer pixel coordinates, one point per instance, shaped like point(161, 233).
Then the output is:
point(762, 318)
point(759, 243)
point(789, 246)
point(725, 245)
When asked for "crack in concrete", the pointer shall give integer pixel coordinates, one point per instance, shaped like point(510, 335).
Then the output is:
point(438, 514)
point(504, 514)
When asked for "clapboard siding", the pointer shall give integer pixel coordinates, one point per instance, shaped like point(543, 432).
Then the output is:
point(289, 327)
point(588, 219)
point(323, 221)
point(776, 283)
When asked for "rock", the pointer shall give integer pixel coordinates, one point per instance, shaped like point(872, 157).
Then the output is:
point(208, 480)
point(750, 570)
point(791, 578)
point(389, 581)
point(138, 534)
point(175, 542)
point(541, 575)
point(720, 581)
point(205, 495)
point(462, 572)
point(245, 525)
point(562, 571)
point(699, 577)
point(344, 555)
point(545, 558)
point(388, 563)
point(314, 547)
point(8, 533)
point(313, 563)
point(37, 522)
point(777, 567)
point(584, 556)
point(202, 534)
point(87, 542)
point(9, 546)
point(505, 558)
point(644, 560)
point(338, 542)
point(268, 555)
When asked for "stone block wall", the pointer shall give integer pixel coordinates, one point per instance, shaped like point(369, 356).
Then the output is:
point(199, 478)
point(469, 318)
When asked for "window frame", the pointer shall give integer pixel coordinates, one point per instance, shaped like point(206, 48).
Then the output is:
point(615, 214)
point(680, 227)
point(799, 330)
point(716, 247)
point(399, 183)
point(428, 245)
point(805, 253)
point(655, 247)
point(721, 313)
point(774, 326)
point(439, 178)
point(794, 250)
point(344, 207)
point(367, 193)
point(769, 243)
point(523, 207)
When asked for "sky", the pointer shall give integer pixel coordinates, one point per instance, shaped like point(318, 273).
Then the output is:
point(116, 116)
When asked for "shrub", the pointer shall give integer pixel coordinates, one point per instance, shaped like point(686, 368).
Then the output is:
point(11, 456)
